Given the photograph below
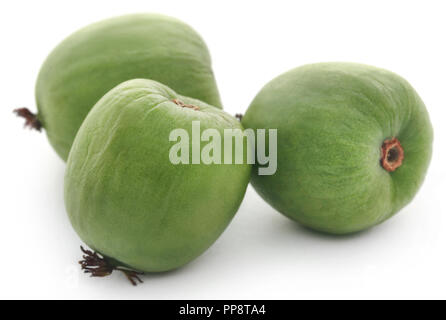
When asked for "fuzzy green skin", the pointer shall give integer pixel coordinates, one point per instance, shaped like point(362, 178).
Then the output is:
point(331, 120)
point(126, 199)
point(98, 57)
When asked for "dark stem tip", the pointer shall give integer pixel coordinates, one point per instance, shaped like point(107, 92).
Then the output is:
point(31, 120)
point(98, 266)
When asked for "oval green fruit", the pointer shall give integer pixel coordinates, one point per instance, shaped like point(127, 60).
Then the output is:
point(354, 144)
point(124, 196)
point(92, 61)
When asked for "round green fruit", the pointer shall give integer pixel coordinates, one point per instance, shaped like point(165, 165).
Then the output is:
point(92, 61)
point(124, 196)
point(354, 144)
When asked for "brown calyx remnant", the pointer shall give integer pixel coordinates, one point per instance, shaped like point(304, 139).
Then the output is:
point(31, 118)
point(98, 266)
point(184, 105)
point(392, 154)
point(239, 116)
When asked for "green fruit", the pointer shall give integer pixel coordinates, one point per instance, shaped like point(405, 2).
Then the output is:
point(127, 200)
point(97, 58)
point(354, 144)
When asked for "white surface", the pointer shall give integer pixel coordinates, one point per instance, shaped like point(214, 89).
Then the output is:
point(261, 254)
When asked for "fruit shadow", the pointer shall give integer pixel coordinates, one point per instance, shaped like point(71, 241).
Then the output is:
point(283, 240)
point(57, 169)
point(280, 232)
point(148, 276)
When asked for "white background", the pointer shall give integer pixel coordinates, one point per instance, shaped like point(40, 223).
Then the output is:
point(261, 254)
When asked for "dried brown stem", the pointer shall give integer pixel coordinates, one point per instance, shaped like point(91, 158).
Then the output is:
point(239, 116)
point(131, 275)
point(98, 266)
point(30, 118)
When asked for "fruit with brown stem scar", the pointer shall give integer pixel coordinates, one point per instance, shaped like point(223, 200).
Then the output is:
point(354, 144)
